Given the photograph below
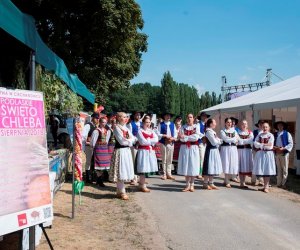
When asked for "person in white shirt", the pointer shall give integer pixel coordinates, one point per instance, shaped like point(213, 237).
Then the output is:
point(283, 146)
point(177, 142)
point(264, 160)
point(189, 158)
point(256, 132)
point(167, 134)
point(202, 120)
point(88, 130)
point(245, 153)
point(146, 159)
point(134, 126)
point(212, 165)
point(228, 152)
point(121, 168)
point(99, 144)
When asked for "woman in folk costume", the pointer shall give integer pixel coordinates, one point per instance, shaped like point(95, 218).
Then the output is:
point(245, 153)
point(228, 151)
point(256, 132)
point(112, 140)
point(146, 160)
point(99, 142)
point(189, 158)
point(202, 120)
point(121, 163)
point(212, 165)
point(264, 160)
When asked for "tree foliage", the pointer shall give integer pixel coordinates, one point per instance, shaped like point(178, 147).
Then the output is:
point(101, 41)
point(57, 95)
point(177, 98)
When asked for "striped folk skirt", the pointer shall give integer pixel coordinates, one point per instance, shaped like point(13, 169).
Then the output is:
point(102, 157)
point(157, 151)
point(177, 145)
point(111, 147)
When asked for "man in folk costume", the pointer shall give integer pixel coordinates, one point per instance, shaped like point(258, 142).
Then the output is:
point(256, 132)
point(283, 146)
point(202, 120)
point(99, 143)
point(134, 125)
point(88, 130)
point(167, 135)
point(177, 142)
point(235, 123)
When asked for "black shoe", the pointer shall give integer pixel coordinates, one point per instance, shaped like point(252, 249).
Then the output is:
point(88, 176)
point(100, 182)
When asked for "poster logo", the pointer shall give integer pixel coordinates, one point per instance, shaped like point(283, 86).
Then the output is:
point(35, 215)
point(22, 219)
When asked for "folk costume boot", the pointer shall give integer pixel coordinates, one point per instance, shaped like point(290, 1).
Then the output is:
point(99, 181)
point(88, 176)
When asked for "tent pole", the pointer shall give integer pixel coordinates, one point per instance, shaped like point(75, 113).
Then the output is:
point(32, 87)
point(32, 71)
point(297, 140)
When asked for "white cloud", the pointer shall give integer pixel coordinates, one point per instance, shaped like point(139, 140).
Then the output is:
point(250, 68)
point(279, 51)
point(244, 78)
point(199, 88)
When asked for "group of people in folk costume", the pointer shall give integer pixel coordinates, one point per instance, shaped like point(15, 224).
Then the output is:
point(127, 150)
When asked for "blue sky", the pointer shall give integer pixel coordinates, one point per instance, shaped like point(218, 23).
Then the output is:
point(198, 41)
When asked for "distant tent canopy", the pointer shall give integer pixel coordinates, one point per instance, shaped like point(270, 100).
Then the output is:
point(279, 95)
point(22, 27)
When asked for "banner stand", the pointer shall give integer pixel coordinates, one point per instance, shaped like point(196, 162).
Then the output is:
point(46, 235)
point(73, 171)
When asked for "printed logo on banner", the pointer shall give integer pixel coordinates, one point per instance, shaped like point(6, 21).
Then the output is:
point(35, 215)
point(22, 219)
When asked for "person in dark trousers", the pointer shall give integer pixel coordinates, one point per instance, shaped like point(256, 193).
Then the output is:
point(88, 130)
point(54, 125)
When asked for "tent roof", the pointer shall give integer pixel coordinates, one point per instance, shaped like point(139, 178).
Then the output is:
point(282, 94)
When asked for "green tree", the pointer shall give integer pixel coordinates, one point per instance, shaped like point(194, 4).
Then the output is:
point(100, 40)
point(57, 95)
point(219, 99)
point(168, 93)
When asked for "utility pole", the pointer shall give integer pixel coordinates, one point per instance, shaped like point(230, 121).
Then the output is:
point(224, 85)
point(268, 77)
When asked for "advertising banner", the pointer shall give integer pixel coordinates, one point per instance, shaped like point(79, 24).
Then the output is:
point(25, 198)
point(237, 94)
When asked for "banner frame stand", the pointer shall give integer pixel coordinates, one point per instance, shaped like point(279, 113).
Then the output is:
point(73, 171)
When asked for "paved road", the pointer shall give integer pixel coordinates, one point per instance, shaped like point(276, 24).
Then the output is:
point(224, 219)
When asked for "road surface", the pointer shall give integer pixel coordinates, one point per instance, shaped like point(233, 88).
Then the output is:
point(221, 219)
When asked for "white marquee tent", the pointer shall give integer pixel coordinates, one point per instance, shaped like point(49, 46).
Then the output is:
point(284, 94)
point(279, 95)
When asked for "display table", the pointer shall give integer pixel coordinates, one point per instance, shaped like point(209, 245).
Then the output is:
point(58, 160)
